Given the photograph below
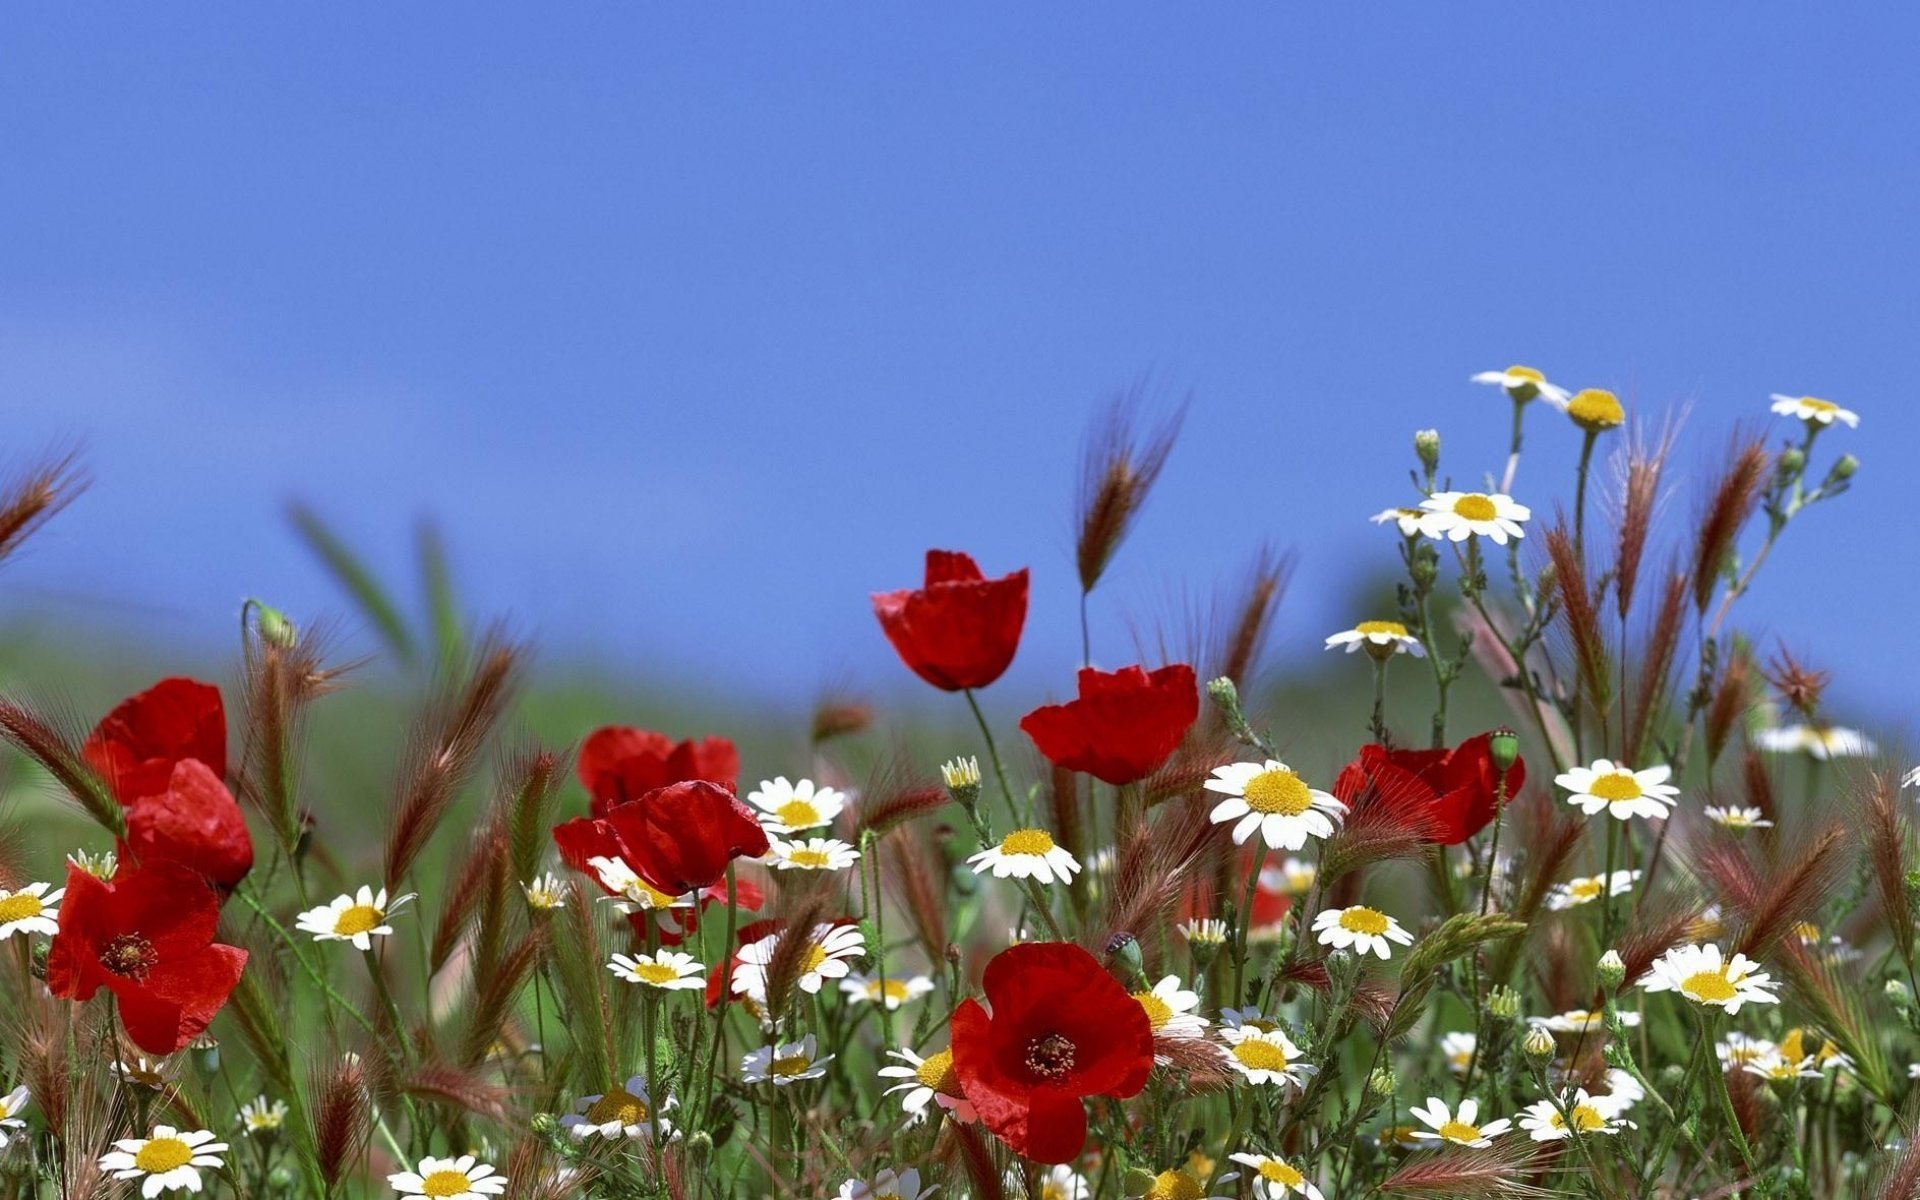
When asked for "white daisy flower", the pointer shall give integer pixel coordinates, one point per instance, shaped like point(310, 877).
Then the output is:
point(167, 1161)
point(1276, 1178)
point(1911, 778)
point(634, 893)
point(1172, 1009)
point(358, 918)
point(1623, 1091)
point(668, 970)
point(891, 992)
point(462, 1178)
point(625, 1112)
point(1026, 854)
point(929, 1080)
point(790, 1062)
point(32, 909)
point(1582, 1020)
point(1381, 639)
point(1821, 741)
point(1058, 1182)
point(826, 958)
point(1913, 1070)
point(791, 807)
point(814, 854)
point(1699, 973)
point(1457, 516)
point(1620, 791)
point(1775, 1068)
point(1271, 798)
point(11, 1106)
point(887, 1185)
point(1204, 931)
point(1445, 1125)
point(1360, 929)
point(1408, 519)
point(1265, 1056)
point(1735, 817)
point(1524, 384)
point(1592, 1114)
point(1814, 412)
point(1587, 889)
point(1458, 1048)
point(1737, 1050)
point(142, 1073)
point(544, 892)
point(262, 1116)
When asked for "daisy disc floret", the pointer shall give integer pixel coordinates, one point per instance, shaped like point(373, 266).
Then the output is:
point(1590, 1114)
point(1620, 791)
point(1457, 1126)
point(1360, 929)
point(165, 1161)
point(927, 1081)
point(1271, 798)
point(788, 807)
point(625, 1112)
point(1457, 516)
point(1380, 639)
point(1026, 854)
point(1699, 973)
point(1813, 411)
point(813, 854)
point(463, 1178)
point(358, 918)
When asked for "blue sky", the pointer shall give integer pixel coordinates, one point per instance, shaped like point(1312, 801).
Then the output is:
point(694, 327)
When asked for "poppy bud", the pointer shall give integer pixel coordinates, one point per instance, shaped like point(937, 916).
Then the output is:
point(1123, 957)
point(1426, 444)
point(1503, 746)
point(1538, 1044)
point(274, 627)
point(206, 1055)
point(1612, 969)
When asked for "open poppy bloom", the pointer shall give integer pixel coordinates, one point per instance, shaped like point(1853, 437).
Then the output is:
point(1123, 726)
point(619, 764)
point(1061, 1029)
point(148, 938)
point(164, 754)
point(960, 629)
point(1454, 789)
point(678, 838)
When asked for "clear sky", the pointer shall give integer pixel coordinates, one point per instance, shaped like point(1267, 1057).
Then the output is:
point(695, 324)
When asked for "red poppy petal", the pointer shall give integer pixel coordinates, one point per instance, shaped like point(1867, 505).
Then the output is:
point(169, 904)
point(1056, 1125)
point(73, 958)
point(195, 822)
point(135, 746)
point(1000, 1100)
point(951, 566)
point(179, 997)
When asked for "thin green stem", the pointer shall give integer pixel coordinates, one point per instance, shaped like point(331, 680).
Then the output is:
point(993, 754)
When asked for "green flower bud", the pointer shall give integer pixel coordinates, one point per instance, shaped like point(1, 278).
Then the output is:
point(1538, 1044)
point(1504, 1003)
point(1612, 969)
point(1123, 958)
point(1898, 994)
point(1843, 469)
point(1225, 693)
point(1503, 747)
point(275, 629)
point(699, 1150)
point(1791, 462)
point(1381, 1083)
point(1426, 444)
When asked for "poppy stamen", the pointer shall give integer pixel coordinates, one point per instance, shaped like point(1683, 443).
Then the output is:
point(1050, 1057)
point(130, 955)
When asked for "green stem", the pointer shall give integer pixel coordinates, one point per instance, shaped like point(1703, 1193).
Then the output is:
point(993, 753)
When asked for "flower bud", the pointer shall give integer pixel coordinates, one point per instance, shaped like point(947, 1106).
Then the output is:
point(1504, 1003)
point(275, 629)
point(699, 1150)
point(1612, 969)
point(1843, 469)
point(1538, 1044)
point(1381, 1083)
point(1791, 462)
point(544, 1124)
point(1225, 693)
point(1137, 1182)
point(1596, 410)
point(1426, 444)
point(962, 776)
point(206, 1055)
point(1503, 747)
point(1898, 994)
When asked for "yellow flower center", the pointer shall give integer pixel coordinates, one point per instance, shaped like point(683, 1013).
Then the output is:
point(937, 1073)
point(1807, 932)
point(618, 1105)
point(1616, 787)
point(361, 918)
point(816, 958)
point(1475, 507)
point(1278, 791)
point(1596, 409)
point(1027, 841)
point(1709, 987)
point(1159, 1012)
point(798, 814)
point(1174, 1185)
point(1390, 628)
point(658, 974)
point(163, 1154)
point(1824, 406)
point(1274, 1171)
point(888, 989)
point(815, 859)
point(647, 896)
point(1260, 1055)
point(1584, 889)
point(1586, 1118)
point(789, 1066)
point(1528, 374)
point(20, 907)
point(1361, 919)
point(446, 1183)
point(1459, 1131)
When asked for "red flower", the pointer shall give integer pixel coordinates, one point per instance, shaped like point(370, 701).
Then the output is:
point(135, 747)
point(1453, 789)
point(619, 764)
point(678, 838)
point(1123, 726)
point(1061, 1029)
point(961, 629)
point(164, 753)
point(148, 938)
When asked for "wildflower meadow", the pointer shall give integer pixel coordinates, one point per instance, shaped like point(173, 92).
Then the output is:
point(1578, 891)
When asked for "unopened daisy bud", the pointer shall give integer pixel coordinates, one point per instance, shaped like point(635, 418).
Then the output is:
point(1381, 1082)
point(1503, 747)
point(1342, 967)
point(962, 776)
point(1426, 444)
point(275, 629)
point(1612, 969)
point(1843, 469)
point(1596, 410)
point(1898, 994)
point(1137, 1182)
point(1791, 462)
point(102, 866)
point(1123, 957)
point(1504, 1003)
point(1425, 567)
point(544, 1124)
point(699, 1149)
point(1538, 1044)
point(1225, 693)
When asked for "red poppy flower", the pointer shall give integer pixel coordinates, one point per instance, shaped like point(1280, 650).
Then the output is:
point(1453, 789)
point(960, 629)
point(619, 764)
point(1123, 726)
point(148, 938)
point(195, 822)
point(1060, 1029)
point(678, 838)
point(135, 747)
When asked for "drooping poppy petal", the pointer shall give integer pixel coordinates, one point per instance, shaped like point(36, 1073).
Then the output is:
point(194, 821)
point(619, 764)
point(681, 837)
point(959, 630)
point(1452, 791)
point(1123, 725)
point(135, 747)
